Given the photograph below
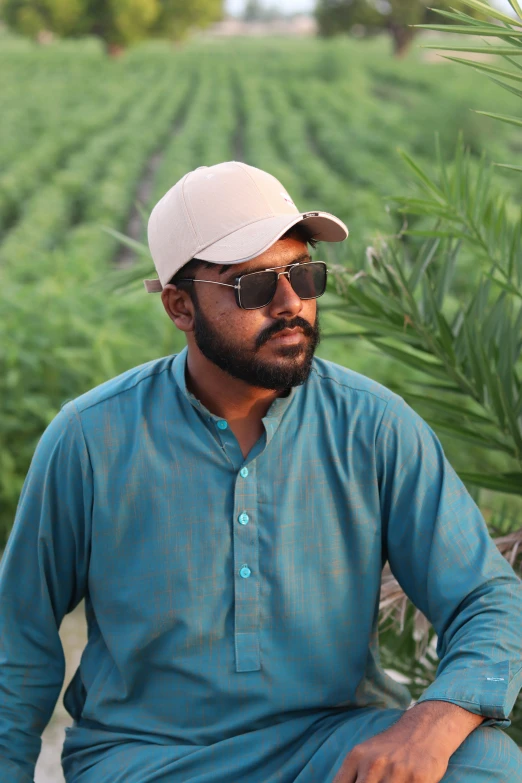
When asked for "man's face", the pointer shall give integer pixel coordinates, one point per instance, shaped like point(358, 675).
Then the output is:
point(271, 347)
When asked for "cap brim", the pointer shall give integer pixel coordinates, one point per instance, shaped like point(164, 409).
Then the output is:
point(252, 240)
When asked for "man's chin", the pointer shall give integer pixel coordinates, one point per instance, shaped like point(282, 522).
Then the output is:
point(281, 352)
point(285, 370)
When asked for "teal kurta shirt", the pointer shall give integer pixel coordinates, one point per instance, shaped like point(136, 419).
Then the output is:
point(225, 595)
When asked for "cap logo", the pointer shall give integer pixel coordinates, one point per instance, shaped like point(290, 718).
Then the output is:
point(287, 198)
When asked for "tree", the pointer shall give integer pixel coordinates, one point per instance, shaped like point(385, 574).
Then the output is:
point(118, 22)
point(395, 16)
point(255, 11)
point(27, 17)
point(178, 17)
point(131, 20)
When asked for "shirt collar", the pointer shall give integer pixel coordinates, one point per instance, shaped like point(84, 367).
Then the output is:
point(273, 414)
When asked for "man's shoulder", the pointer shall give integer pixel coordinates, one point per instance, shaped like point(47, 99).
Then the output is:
point(340, 390)
point(126, 383)
point(330, 376)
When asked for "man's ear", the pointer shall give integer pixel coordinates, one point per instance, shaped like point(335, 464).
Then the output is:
point(179, 307)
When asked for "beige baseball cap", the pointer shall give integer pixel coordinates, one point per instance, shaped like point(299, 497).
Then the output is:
point(226, 214)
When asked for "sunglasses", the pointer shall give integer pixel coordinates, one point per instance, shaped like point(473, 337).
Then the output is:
point(254, 290)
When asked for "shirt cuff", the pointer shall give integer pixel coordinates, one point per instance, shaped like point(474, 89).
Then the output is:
point(484, 689)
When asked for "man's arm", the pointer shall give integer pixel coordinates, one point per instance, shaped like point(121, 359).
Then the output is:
point(442, 555)
point(42, 577)
point(440, 551)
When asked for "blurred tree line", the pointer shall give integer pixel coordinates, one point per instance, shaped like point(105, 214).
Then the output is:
point(117, 22)
point(373, 16)
point(256, 11)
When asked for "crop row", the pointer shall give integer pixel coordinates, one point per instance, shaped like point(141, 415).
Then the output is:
point(205, 137)
point(357, 160)
point(42, 92)
point(97, 180)
point(71, 331)
point(52, 150)
point(258, 135)
point(324, 188)
point(70, 110)
point(217, 143)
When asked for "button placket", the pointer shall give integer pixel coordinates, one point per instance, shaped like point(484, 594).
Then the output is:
point(228, 441)
point(246, 571)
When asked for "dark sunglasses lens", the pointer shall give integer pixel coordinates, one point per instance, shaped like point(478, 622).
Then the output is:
point(257, 289)
point(309, 280)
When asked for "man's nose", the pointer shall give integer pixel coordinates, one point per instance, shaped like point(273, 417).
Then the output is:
point(285, 302)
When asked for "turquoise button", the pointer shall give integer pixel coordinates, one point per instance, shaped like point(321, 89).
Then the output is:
point(222, 424)
point(244, 518)
point(243, 472)
point(245, 572)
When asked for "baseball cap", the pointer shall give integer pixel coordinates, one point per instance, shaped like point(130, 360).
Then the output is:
point(226, 214)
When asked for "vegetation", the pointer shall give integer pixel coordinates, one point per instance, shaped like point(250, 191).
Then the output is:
point(256, 11)
point(397, 17)
point(117, 22)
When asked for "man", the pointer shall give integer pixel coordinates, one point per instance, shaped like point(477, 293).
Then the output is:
point(226, 514)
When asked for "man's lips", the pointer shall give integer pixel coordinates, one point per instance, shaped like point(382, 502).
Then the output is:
point(288, 336)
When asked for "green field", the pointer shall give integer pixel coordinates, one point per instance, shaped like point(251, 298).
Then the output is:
point(83, 137)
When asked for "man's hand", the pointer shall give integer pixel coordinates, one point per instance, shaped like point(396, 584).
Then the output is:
point(416, 749)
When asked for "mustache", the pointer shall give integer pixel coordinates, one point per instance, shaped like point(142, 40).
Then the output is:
point(282, 324)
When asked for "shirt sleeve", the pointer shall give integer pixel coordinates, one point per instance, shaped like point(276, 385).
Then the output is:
point(441, 553)
point(42, 577)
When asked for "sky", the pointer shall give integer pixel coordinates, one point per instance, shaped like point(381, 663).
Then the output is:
point(288, 6)
point(295, 6)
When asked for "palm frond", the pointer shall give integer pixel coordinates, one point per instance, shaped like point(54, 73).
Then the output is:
point(408, 304)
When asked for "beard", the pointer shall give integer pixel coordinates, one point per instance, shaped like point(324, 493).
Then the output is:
point(291, 367)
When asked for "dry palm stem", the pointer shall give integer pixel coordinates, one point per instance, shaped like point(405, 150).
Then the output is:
point(393, 603)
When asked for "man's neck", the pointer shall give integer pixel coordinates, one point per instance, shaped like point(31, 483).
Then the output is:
point(223, 395)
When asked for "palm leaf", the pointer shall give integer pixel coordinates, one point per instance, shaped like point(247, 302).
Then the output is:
point(487, 69)
point(472, 29)
point(487, 10)
point(503, 50)
point(502, 117)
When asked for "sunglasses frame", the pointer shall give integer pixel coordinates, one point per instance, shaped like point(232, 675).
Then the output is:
point(237, 286)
